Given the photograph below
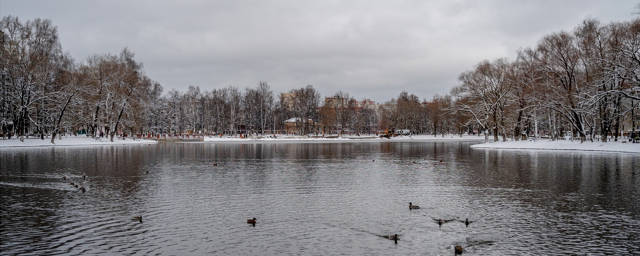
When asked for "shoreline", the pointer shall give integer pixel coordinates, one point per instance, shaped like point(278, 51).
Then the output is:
point(560, 145)
point(332, 139)
point(69, 141)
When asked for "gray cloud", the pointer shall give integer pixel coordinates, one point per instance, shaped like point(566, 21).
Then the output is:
point(370, 49)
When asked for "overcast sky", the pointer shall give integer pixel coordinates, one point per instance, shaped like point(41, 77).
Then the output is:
point(369, 49)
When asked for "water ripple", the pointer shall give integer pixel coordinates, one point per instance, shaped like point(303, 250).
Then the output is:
point(317, 199)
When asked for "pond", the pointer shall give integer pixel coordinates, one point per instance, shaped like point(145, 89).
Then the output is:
point(317, 199)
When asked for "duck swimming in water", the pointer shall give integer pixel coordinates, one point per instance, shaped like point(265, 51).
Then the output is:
point(440, 222)
point(411, 206)
point(138, 218)
point(392, 237)
point(252, 221)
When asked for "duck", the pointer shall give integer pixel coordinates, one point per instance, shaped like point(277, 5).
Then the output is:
point(84, 177)
point(71, 183)
point(411, 206)
point(440, 222)
point(138, 218)
point(252, 221)
point(467, 222)
point(215, 164)
point(64, 177)
point(393, 237)
point(82, 189)
point(457, 250)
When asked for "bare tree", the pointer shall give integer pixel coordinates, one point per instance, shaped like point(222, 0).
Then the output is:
point(328, 118)
point(258, 104)
point(305, 108)
point(234, 102)
point(192, 111)
point(489, 92)
point(31, 57)
point(68, 85)
point(409, 111)
point(343, 104)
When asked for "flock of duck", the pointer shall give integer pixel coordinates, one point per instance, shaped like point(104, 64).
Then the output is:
point(84, 177)
point(456, 249)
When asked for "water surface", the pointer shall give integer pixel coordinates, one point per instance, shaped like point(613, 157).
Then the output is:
point(317, 199)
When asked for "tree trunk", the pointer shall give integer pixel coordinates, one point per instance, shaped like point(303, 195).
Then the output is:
point(94, 125)
point(115, 128)
point(56, 128)
point(518, 129)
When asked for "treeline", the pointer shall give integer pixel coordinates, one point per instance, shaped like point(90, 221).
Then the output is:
point(230, 110)
point(583, 83)
point(45, 92)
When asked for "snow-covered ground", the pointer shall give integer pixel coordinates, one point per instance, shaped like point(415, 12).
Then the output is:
point(69, 141)
point(86, 141)
point(563, 145)
point(523, 145)
point(343, 138)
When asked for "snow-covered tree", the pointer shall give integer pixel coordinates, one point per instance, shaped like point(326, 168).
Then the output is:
point(31, 59)
point(487, 91)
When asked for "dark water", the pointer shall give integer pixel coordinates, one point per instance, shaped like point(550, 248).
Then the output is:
point(317, 199)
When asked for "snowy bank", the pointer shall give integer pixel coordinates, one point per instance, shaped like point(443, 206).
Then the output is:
point(524, 145)
point(563, 145)
point(342, 138)
point(69, 141)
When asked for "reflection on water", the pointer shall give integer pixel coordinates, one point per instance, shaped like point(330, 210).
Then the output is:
point(317, 199)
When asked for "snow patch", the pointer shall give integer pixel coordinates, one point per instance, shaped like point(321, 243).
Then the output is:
point(563, 145)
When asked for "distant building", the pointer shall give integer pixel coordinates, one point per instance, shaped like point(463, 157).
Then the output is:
point(287, 100)
point(293, 125)
point(367, 104)
point(368, 120)
point(335, 102)
point(339, 102)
